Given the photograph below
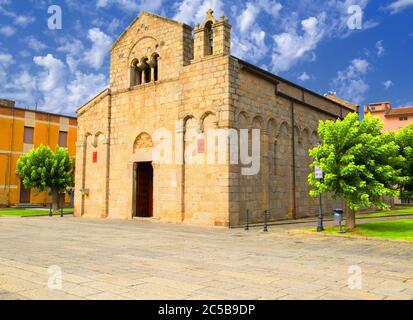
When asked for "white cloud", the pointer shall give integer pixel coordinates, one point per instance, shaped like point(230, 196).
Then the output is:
point(101, 44)
point(24, 53)
point(24, 21)
point(84, 87)
point(248, 16)
point(291, 47)
point(73, 47)
point(399, 5)
point(251, 45)
point(7, 31)
point(35, 44)
point(72, 63)
point(5, 61)
point(132, 5)
point(350, 83)
point(249, 39)
point(194, 11)
point(51, 82)
point(114, 25)
point(387, 84)
point(20, 20)
point(380, 48)
point(304, 77)
point(271, 7)
point(60, 91)
point(290, 34)
point(21, 88)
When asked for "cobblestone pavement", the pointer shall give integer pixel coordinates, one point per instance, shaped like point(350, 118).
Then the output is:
point(102, 259)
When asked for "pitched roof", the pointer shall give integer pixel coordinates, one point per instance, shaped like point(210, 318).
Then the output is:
point(342, 101)
point(399, 111)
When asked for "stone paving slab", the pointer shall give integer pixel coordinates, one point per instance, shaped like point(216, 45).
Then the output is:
point(106, 259)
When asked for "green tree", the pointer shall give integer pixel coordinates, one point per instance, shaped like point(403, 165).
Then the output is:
point(404, 139)
point(45, 170)
point(360, 163)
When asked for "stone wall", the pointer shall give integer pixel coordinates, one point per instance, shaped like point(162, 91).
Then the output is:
point(92, 158)
point(283, 112)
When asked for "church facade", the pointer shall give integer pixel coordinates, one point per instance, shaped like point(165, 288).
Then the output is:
point(150, 144)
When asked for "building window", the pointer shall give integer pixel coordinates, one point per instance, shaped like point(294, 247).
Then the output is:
point(404, 118)
point(209, 39)
point(63, 139)
point(154, 66)
point(147, 75)
point(28, 135)
point(135, 74)
point(145, 71)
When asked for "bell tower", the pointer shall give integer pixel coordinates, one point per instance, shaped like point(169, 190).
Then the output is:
point(213, 37)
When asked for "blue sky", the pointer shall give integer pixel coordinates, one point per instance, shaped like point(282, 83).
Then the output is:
point(308, 42)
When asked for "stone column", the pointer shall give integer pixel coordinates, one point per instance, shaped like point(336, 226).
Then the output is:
point(152, 74)
point(265, 170)
point(155, 195)
point(180, 168)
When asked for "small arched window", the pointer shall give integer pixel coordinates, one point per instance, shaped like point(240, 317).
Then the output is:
point(155, 67)
point(209, 39)
point(135, 73)
point(147, 75)
point(146, 70)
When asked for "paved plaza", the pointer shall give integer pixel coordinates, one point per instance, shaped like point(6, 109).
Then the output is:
point(103, 259)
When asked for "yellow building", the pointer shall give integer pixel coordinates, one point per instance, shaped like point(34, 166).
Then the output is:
point(20, 131)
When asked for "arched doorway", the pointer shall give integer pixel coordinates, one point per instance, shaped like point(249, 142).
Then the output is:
point(143, 177)
point(143, 189)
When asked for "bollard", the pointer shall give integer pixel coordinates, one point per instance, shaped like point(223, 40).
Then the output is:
point(265, 221)
point(50, 211)
point(247, 227)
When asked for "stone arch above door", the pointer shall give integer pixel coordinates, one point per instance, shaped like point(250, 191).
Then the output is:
point(142, 147)
point(142, 141)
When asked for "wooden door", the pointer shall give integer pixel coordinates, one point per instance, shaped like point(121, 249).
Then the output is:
point(144, 190)
point(24, 194)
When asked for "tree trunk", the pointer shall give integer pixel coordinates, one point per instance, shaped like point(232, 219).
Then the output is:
point(55, 200)
point(350, 220)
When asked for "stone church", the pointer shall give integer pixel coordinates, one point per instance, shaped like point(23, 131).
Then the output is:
point(166, 76)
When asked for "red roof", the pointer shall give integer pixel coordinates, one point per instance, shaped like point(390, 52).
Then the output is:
point(399, 111)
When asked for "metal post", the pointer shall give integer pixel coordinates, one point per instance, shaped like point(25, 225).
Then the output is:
point(50, 210)
point(247, 227)
point(340, 228)
point(320, 227)
point(265, 221)
point(61, 207)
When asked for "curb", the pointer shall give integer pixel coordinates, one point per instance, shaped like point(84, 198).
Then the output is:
point(344, 235)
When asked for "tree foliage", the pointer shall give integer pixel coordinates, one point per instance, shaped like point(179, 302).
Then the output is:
point(45, 170)
point(360, 163)
point(404, 139)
